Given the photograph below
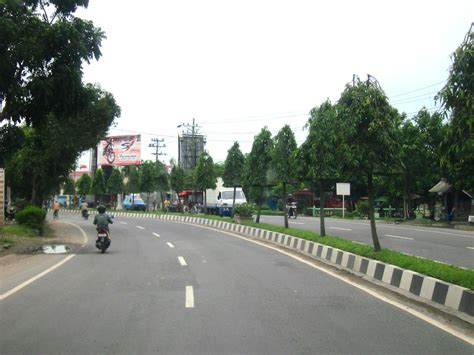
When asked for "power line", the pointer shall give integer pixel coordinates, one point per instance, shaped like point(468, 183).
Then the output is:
point(423, 88)
point(415, 98)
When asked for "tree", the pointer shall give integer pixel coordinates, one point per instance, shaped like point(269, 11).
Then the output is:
point(43, 48)
point(457, 99)
point(283, 160)
point(233, 170)
point(98, 184)
point(84, 185)
point(133, 185)
point(204, 176)
point(69, 186)
point(319, 156)
point(162, 179)
point(257, 166)
point(115, 183)
point(177, 179)
point(41, 61)
point(148, 179)
point(368, 124)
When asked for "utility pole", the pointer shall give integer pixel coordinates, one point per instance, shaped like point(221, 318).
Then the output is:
point(157, 144)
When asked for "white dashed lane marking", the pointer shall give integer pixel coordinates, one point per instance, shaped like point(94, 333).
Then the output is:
point(139, 227)
point(341, 229)
point(182, 261)
point(470, 247)
point(170, 245)
point(396, 236)
point(123, 222)
point(156, 235)
point(189, 297)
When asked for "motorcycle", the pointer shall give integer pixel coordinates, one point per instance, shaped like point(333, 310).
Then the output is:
point(85, 214)
point(103, 240)
point(291, 210)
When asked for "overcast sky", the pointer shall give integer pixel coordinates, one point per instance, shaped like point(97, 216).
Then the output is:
point(236, 66)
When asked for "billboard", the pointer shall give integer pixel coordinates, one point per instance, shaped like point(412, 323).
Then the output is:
point(119, 150)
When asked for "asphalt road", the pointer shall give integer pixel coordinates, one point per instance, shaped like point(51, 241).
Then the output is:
point(446, 245)
point(174, 288)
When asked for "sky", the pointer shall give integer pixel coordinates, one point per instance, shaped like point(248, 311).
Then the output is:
point(237, 66)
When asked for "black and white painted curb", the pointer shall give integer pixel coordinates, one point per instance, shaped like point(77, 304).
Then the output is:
point(425, 288)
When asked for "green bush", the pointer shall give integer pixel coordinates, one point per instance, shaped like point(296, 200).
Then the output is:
point(244, 210)
point(362, 208)
point(32, 217)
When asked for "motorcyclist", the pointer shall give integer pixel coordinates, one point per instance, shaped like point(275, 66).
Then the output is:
point(102, 220)
point(291, 206)
point(84, 209)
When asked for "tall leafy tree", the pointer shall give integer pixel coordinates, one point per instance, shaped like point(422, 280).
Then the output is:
point(115, 183)
point(148, 179)
point(133, 184)
point(177, 179)
point(233, 170)
point(369, 124)
point(319, 156)
point(162, 180)
point(283, 160)
point(69, 186)
point(257, 165)
point(43, 49)
point(98, 184)
point(457, 99)
point(204, 176)
point(84, 185)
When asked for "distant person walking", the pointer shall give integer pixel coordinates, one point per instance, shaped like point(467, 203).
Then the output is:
point(55, 209)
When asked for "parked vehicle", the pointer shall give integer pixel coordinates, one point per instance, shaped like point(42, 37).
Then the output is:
point(220, 199)
point(133, 204)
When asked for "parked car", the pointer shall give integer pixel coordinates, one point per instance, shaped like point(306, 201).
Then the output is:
point(135, 204)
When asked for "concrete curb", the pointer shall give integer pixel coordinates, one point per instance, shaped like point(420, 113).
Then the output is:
point(425, 288)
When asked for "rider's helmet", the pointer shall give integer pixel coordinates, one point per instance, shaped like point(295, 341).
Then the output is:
point(101, 209)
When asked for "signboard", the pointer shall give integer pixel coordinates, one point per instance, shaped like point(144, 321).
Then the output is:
point(2, 196)
point(119, 150)
point(344, 189)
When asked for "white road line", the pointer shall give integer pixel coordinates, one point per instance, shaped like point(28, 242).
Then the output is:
point(189, 297)
point(342, 229)
point(139, 227)
point(182, 261)
point(396, 236)
point(123, 222)
point(470, 247)
point(295, 222)
point(393, 302)
point(84, 235)
point(156, 235)
point(26, 283)
point(426, 230)
point(170, 245)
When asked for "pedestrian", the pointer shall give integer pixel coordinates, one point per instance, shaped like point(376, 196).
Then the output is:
point(56, 209)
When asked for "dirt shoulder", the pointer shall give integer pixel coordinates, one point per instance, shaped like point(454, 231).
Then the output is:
point(23, 248)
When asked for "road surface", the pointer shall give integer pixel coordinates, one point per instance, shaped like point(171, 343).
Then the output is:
point(174, 288)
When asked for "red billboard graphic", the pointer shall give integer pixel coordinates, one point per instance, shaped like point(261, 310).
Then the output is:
point(119, 150)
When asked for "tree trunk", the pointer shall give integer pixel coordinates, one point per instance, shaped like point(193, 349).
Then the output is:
point(205, 201)
point(233, 202)
point(285, 218)
point(148, 202)
point(370, 190)
point(260, 198)
point(322, 200)
point(162, 201)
